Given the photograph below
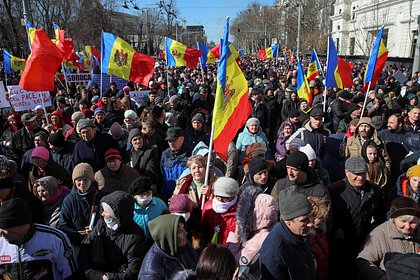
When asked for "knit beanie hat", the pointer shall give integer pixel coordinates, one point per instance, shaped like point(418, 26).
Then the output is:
point(298, 160)
point(294, 113)
point(44, 136)
point(414, 171)
point(88, 113)
point(99, 111)
point(56, 139)
point(293, 204)
point(157, 111)
point(49, 183)
point(198, 117)
point(15, 212)
point(180, 204)
point(308, 151)
point(256, 149)
point(140, 185)
point(77, 116)
point(133, 133)
point(226, 187)
point(256, 165)
point(83, 170)
point(41, 152)
point(111, 154)
point(252, 121)
point(401, 206)
point(130, 114)
point(116, 130)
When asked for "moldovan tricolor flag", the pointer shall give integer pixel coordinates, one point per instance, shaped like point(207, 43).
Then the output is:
point(31, 31)
point(178, 54)
point(313, 67)
point(42, 64)
point(270, 52)
point(215, 53)
point(231, 107)
point(338, 74)
point(12, 64)
point(377, 60)
point(302, 85)
point(120, 59)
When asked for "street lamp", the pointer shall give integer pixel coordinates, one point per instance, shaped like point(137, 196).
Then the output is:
point(298, 5)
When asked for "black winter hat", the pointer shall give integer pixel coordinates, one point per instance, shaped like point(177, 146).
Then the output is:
point(294, 113)
point(133, 133)
point(141, 185)
point(256, 165)
point(298, 160)
point(15, 212)
point(56, 139)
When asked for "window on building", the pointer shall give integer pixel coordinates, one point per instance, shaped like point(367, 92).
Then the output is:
point(338, 27)
point(337, 43)
point(352, 43)
point(339, 11)
point(413, 46)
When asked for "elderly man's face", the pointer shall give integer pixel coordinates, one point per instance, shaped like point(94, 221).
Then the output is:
point(295, 175)
point(356, 180)
point(301, 226)
point(176, 145)
point(88, 133)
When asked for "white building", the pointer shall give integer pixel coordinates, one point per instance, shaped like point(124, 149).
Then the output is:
point(356, 23)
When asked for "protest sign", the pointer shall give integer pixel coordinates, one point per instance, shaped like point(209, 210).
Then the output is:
point(4, 103)
point(106, 81)
point(22, 100)
point(83, 77)
point(139, 96)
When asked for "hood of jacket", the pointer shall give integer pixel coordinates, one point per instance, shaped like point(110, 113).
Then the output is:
point(164, 231)
point(123, 206)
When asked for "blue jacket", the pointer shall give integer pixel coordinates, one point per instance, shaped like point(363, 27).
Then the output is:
point(142, 216)
point(172, 167)
point(283, 255)
point(75, 213)
point(245, 139)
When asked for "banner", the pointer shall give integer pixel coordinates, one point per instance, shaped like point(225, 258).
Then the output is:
point(3, 100)
point(96, 79)
point(139, 97)
point(22, 100)
point(83, 77)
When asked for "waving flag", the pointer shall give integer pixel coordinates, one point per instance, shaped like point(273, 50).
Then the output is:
point(31, 31)
point(215, 53)
point(377, 60)
point(231, 107)
point(12, 64)
point(270, 52)
point(204, 52)
point(337, 74)
point(345, 69)
point(313, 67)
point(178, 54)
point(302, 85)
point(120, 59)
point(42, 64)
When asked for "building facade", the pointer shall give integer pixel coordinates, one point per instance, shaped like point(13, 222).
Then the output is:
point(355, 24)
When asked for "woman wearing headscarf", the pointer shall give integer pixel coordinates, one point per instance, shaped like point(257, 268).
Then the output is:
point(252, 133)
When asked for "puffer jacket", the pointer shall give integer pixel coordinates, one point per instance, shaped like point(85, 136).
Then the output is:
point(256, 215)
point(317, 138)
point(246, 138)
point(164, 258)
point(354, 146)
point(109, 181)
point(117, 253)
point(382, 240)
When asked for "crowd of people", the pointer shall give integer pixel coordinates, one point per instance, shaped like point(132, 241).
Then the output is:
point(102, 186)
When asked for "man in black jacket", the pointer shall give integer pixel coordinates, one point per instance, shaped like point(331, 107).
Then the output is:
point(355, 203)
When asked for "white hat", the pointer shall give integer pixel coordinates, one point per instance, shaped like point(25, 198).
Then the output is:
point(308, 151)
point(38, 107)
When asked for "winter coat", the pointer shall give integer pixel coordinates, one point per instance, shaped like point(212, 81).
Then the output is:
point(164, 258)
point(320, 251)
point(172, 167)
point(396, 137)
point(117, 253)
point(225, 221)
point(185, 185)
point(76, 212)
point(260, 111)
point(352, 215)
point(256, 215)
point(145, 161)
point(288, 106)
point(142, 216)
point(193, 137)
point(382, 240)
point(246, 138)
point(93, 153)
point(52, 206)
point(338, 111)
point(286, 256)
point(317, 138)
point(312, 187)
point(109, 181)
point(22, 141)
point(354, 145)
point(378, 115)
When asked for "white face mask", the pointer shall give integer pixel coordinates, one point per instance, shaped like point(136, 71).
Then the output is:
point(222, 207)
point(111, 223)
point(185, 215)
point(143, 201)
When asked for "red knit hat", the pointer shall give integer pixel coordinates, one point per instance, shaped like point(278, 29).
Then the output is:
point(112, 153)
point(180, 203)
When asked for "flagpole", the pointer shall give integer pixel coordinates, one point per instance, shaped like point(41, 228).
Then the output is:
point(5, 79)
point(366, 96)
point(43, 107)
point(325, 89)
point(65, 77)
point(102, 54)
point(320, 66)
point(167, 78)
point(206, 178)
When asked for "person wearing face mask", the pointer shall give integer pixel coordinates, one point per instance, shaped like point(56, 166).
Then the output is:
point(400, 234)
point(81, 206)
point(115, 176)
point(116, 246)
point(219, 212)
point(146, 207)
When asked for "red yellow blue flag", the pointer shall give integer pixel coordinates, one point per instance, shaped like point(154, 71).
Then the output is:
point(231, 107)
point(31, 31)
point(270, 52)
point(178, 54)
point(12, 64)
point(302, 85)
point(214, 54)
point(120, 59)
point(377, 60)
point(313, 67)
